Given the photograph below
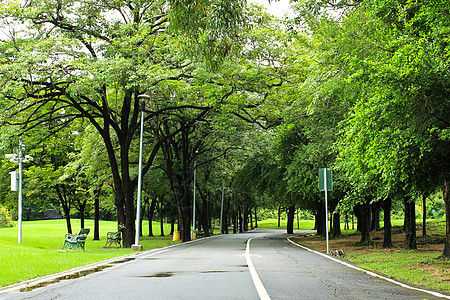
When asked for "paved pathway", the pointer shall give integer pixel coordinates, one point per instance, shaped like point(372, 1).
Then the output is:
point(255, 265)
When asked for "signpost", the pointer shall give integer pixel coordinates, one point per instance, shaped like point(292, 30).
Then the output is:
point(326, 184)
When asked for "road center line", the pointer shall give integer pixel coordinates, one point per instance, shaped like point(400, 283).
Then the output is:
point(436, 294)
point(256, 281)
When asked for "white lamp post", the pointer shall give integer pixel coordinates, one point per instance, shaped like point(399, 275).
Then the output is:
point(193, 216)
point(221, 206)
point(194, 235)
point(136, 245)
point(19, 158)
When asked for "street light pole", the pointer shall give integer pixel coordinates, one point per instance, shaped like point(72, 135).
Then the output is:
point(221, 205)
point(19, 217)
point(136, 245)
point(193, 216)
point(19, 158)
point(193, 234)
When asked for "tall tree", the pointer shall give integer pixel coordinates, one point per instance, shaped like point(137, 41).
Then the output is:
point(392, 53)
point(91, 60)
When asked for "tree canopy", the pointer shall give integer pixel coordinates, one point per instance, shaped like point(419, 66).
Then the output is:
point(232, 94)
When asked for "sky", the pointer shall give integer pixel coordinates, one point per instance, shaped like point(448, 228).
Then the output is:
point(277, 8)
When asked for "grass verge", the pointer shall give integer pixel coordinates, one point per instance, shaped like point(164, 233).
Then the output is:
point(415, 267)
point(37, 255)
point(273, 224)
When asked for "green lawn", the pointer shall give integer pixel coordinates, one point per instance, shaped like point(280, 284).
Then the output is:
point(309, 225)
point(412, 266)
point(273, 224)
point(38, 254)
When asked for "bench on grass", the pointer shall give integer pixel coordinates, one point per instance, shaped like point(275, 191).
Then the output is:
point(75, 241)
point(114, 238)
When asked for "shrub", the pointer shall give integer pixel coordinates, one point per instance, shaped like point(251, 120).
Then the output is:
point(5, 218)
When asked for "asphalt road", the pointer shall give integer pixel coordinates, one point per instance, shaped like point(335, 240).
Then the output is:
point(255, 265)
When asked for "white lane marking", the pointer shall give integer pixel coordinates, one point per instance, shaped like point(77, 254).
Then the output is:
point(256, 281)
point(436, 294)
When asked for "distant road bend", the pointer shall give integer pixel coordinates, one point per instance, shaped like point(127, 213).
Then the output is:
point(261, 264)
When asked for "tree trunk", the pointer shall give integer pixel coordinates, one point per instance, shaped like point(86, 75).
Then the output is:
point(68, 223)
point(387, 205)
point(82, 207)
point(97, 214)
point(240, 220)
point(446, 197)
point(424, 217)
point(346, 226)
point(375, 223)
point(245, 218)
point(256, 218)
point(245, 221)
point(365, 221)
point(203, 216)
point(65, 203)
point(226, 212)
point(410, 223)
point(337, 224)
point(123, 191)
point(320, 220)
point(279, 216)
point(207, 208)
point(179, 153)
point(150, 214)
point(184, 222)
point(161, 225)
point(161, 217)
point(130, 214)
point(290, 219)
point(172, 225)
point(235, 222)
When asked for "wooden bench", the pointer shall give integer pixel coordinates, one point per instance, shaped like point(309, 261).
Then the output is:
point(75, 241)
point(114, 238)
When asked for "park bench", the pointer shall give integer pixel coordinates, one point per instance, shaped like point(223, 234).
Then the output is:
point(75, 241)
point(114, 238)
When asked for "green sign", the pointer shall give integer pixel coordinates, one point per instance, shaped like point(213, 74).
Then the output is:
point(329, 176)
